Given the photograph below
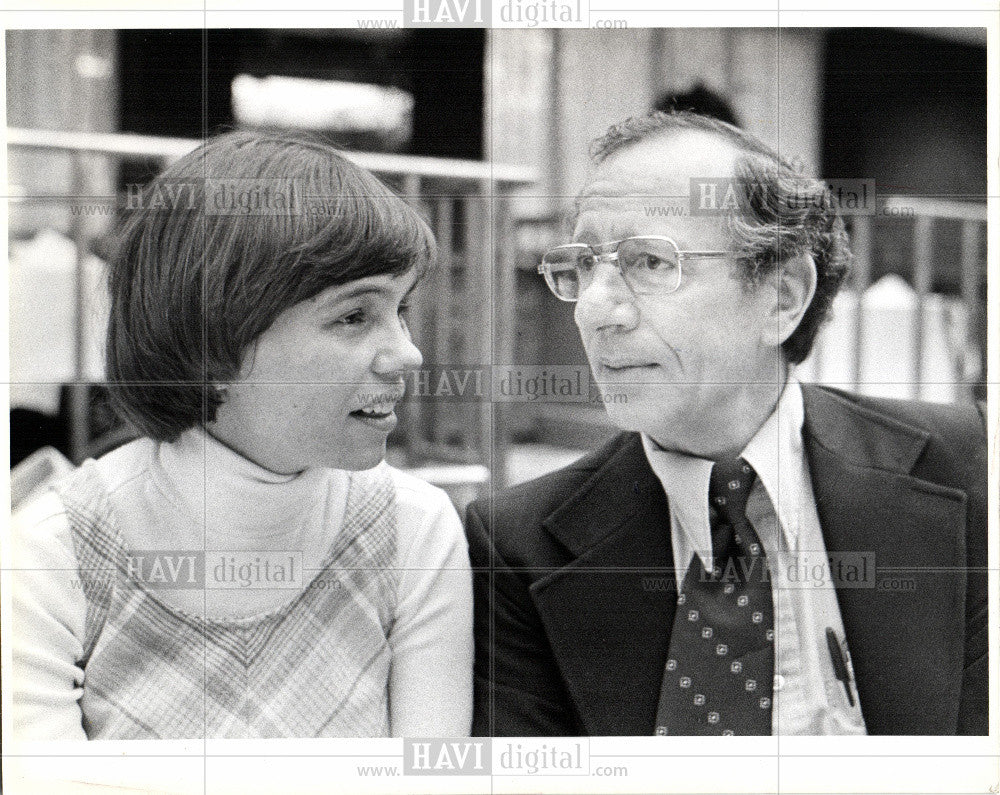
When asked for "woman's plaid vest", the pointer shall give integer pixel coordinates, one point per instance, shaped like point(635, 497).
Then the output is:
point(316, 667)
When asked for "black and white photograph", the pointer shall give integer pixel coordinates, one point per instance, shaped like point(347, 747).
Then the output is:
point(499, 397)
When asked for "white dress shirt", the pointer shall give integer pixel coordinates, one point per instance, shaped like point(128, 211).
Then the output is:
point(808, 697)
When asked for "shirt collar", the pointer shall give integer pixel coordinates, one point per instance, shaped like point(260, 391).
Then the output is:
point(777, 454)
point(685, 481)
point(776, 449)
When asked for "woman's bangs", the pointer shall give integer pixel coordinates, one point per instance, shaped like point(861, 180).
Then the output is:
point(359, 227)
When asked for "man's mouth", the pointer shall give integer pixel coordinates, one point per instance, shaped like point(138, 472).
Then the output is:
point(619, 366)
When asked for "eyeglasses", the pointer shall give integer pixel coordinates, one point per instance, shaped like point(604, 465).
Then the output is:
point(649, 265)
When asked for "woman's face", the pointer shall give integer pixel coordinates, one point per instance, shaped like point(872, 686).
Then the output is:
point(319, 387)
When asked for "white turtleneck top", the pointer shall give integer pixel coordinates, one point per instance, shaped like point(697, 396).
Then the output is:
point(197, 494)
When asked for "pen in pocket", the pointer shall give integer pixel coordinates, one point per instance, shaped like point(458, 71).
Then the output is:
point(839, 663)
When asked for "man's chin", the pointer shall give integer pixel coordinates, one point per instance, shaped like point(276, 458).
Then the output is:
point(652, 419)
point(626, 417)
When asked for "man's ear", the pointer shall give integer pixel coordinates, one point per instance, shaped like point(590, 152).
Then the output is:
point(796, 285)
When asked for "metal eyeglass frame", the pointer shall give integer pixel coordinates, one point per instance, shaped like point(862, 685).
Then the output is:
point(545, 269)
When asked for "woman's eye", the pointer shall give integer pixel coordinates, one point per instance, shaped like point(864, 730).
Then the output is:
point(352, 318)
point(374, 315)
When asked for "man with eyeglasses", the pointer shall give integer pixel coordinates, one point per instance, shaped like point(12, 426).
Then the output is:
point(728, 564)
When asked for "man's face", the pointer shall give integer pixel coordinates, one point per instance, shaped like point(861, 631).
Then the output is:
point(683, 365)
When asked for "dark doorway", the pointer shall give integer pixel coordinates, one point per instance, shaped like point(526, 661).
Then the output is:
point(906, 110)
point(178, 82)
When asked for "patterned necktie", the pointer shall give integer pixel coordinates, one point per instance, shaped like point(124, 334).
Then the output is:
point(720, 668)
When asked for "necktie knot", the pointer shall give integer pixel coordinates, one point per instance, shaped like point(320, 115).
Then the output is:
point(729, 488)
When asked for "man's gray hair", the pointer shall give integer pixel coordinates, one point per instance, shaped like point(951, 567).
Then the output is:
point(781, 213)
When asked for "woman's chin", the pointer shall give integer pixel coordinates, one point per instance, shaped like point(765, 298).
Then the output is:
point(359, 459)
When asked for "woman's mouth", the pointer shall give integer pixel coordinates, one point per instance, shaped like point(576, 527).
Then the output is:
point(381, 416)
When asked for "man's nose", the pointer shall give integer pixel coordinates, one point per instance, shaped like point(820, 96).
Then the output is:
point(606, 300)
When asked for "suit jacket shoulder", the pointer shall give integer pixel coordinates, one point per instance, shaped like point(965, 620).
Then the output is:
point(566, 576)
point(515, 514)
point(952, 436)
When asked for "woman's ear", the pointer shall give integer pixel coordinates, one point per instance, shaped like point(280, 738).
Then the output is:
point(796, 285)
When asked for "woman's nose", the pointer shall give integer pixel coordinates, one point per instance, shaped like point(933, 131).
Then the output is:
point(398, 353)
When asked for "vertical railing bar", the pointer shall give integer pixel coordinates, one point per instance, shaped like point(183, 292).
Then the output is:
point(922, 278)
point(441, 299)
point(505, 301)
point(411, 189)
point(862, 234)
point(557, 143)
point(443, 277)
point(970, 297)
point(487, 293)
point(478, 248)
point(78, 394)
point(413, 409)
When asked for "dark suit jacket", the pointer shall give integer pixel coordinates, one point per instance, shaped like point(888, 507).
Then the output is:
point(571, 638)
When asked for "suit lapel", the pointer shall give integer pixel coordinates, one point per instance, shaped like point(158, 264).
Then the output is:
point(905, 640)
point(608, 613)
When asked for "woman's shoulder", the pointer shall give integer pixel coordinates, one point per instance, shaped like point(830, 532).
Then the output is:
point(123, 464)
point(46, 506)
point(412, 489)
point(426, 516)
point(41, 518)
point(43, 524)
point(44, 566)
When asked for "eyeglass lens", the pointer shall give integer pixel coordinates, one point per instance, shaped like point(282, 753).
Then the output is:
point(649, 265)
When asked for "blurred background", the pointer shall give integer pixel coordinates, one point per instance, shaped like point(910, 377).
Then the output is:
point(487, 132)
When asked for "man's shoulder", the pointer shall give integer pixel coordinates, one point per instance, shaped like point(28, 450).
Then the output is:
point(952, 436)
point(933, 416)
point(948, 420)
point(527, 504)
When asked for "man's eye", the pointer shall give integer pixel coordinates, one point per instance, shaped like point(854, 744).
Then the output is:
point(650, 262)
point(586, 262)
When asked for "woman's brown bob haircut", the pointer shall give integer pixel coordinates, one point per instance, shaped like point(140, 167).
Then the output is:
point(220, 244)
